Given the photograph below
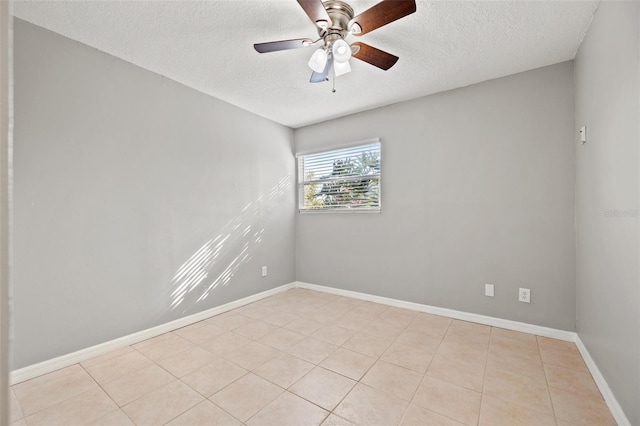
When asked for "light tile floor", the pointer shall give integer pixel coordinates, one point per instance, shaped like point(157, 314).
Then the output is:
point(309, 358)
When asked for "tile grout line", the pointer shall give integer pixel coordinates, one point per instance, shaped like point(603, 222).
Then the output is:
point(377, 358)
point(105, 392)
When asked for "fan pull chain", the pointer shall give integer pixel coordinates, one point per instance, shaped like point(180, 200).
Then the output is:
point(333, 90)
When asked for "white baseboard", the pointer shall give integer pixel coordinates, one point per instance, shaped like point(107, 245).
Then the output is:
point(553, 333)
point(569, 336)
point(603, 386)
point(67, 360)
point(57, 363)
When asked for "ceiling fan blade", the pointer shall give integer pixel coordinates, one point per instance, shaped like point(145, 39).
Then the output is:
point(319, 77)
point(380, 15)
point(376, 57)
point(274, 46)
point(316, 12)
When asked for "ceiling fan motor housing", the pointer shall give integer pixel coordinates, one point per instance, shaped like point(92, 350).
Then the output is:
point(340, 13)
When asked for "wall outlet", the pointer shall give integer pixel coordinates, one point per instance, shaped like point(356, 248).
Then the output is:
point(524, 295)
point(488, 290)
point(264, 271)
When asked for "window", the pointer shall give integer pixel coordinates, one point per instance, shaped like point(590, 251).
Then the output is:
point(346, 179)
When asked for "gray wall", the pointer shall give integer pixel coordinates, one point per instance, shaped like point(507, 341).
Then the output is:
point(477, 187)
point(607, 93)
point(122, 178)
point(5, 31)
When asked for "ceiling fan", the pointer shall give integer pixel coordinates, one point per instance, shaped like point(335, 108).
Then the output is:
point(335, 21)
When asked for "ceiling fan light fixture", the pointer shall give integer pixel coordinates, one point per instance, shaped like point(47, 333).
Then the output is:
point(341, 68)
point(318, 60)
point(341, 51)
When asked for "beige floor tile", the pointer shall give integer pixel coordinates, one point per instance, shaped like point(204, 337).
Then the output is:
point(452, 401)
point(280, 319)
point(580, 409)
point(514, 359)
point(45, 378)
point(115, 418)
point(397, 316)
point(495, 412)
point(312, 350)
point(82, 409)
point(135, 385)
point(563, 358)
point(337, 307)
point(246, 396)
point(304, 326)
point(353, 322)
point(419, 340)
point(213, 377)
point(162, 405)
point(548, 343)
point(15, 413)
point(205, 413)
point(229, 320)
point(163, 346)
point(526, 349)
point(366, 307)
point(348, 363)
point(110, 355)
point(418, 416)
point(367, 406)
point(114, 368)
point(284, 370)
point(256, 311)
point(50, 389)
point(457, 346)
point(252, 355)
point(333, 334)
point(463, 340)
point(407, 356)
point(323, 387)
point(466, 371)
point(226, 343)
point(334, 420)
point(382, 330)
point(200, 332)
point(367, 344)
point(281, 339)
point(524, 387)
point(187, 361)
point(255, 330)
point(321, 315)
point(362, 313)
point(561, 422)
point(433, 365)
point(469, 328)
point(390, 378)
point(576, 381)
point(511, 334)
point(289, 410)
point(429, 324)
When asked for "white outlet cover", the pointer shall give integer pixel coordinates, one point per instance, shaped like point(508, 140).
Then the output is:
point(524, 295)
point(488, 290)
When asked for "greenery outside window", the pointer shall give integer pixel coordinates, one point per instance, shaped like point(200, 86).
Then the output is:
point(345, 179)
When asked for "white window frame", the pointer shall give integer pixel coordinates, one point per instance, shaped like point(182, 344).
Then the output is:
point(302, 182)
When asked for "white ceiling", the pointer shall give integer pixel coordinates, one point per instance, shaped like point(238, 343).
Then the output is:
point(208, 45)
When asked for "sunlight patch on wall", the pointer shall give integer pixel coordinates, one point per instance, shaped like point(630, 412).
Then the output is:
point(218, 260)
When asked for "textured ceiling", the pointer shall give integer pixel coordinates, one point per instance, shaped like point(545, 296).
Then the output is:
point(208, 45)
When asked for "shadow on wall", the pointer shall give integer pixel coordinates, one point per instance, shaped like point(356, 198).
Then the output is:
point(216, 262)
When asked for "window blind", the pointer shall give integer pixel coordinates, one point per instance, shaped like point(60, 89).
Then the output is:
point(346, 179)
